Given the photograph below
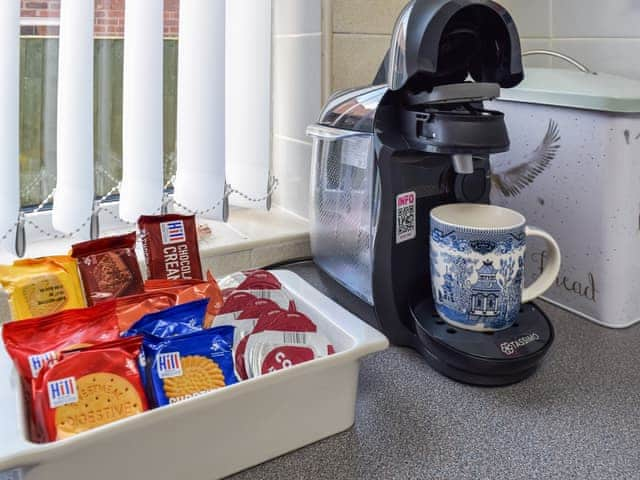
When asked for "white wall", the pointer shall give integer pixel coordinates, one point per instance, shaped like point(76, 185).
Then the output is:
point(297, 97)
point(603, 34)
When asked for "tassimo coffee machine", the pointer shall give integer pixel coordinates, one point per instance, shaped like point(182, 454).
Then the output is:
point(385, 155)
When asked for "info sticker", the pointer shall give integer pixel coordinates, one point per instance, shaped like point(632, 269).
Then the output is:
point(405, 217)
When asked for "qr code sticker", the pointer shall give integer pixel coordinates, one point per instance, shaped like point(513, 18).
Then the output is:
point(15, 474)
point(405, 217)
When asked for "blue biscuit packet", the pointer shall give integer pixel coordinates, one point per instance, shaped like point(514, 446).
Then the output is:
point(183, 367)
point(179, 320)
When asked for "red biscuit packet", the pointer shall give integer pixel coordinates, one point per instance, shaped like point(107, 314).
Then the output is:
point(109, 267)
point(33, 343)
point(170, 244)
point(189, 291)
point(88, 388)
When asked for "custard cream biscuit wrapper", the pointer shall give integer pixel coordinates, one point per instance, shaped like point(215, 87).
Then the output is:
point(188, 366)
point(42, 286)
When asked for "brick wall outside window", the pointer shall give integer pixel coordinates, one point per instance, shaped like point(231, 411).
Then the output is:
point(109, 21)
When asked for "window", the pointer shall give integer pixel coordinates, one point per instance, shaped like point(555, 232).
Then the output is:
point(39, 36)
point(109, 97)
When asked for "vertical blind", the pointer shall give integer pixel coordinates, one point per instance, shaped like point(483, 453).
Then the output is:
point(220, 42)
point(200, 128)
point(142, 175)
point(9, 114)
point(248, 118)
point(73, 200)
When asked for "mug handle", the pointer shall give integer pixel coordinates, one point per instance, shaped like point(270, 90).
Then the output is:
point(551, 269)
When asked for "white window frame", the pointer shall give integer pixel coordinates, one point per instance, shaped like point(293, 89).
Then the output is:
point(244, 231)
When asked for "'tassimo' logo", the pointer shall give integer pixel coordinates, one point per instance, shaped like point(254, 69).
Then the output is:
point(510, 348)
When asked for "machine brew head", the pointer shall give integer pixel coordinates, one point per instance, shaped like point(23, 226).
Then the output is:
point(446, 58)
point(439, 42)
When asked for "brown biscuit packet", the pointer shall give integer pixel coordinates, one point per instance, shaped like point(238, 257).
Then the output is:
point(170, 244)
point(109, 267)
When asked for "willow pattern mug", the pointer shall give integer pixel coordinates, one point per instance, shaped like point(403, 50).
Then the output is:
point(477, 265)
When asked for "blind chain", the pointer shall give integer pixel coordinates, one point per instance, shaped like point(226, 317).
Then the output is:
point(99, 206)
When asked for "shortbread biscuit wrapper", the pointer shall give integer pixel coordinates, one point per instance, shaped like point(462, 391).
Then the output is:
point(191, 365)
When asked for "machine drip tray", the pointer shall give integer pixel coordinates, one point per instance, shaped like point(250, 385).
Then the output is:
point(489, 359)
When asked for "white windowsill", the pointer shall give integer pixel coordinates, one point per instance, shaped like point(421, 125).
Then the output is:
point(251, 238)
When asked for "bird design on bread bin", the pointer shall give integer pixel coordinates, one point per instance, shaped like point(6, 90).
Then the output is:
point(511, 181)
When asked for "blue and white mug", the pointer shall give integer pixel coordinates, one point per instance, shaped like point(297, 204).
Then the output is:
point(477, 263)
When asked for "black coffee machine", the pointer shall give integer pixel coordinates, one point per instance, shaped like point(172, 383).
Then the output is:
point(385, 155)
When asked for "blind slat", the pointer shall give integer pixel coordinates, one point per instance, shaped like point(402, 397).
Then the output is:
point(73, 199)
point(142, 109)
point(9, 114)
point(200, 141)
point(248, 118)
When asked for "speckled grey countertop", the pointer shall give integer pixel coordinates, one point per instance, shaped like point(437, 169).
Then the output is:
point(577, 417)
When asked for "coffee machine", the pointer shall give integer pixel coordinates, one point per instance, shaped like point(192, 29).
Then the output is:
point(385, 155)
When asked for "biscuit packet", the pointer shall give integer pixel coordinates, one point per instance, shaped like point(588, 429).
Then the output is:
point(132, 308)
point(191, 365)
point(178, 320)
point(42, 286)
point(269, 351)
point(109, 267)
point(277, 321)
point(33, 343)
point(190, 290)
point(89, 388)
point(170, 244)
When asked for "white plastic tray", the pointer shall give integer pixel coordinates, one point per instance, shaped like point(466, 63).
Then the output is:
point(214, 435)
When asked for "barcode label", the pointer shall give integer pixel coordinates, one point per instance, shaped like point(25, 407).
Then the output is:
point(405, 217)
point(294, 338)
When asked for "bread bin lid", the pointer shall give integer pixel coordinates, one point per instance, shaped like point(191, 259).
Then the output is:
point(568, 88)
